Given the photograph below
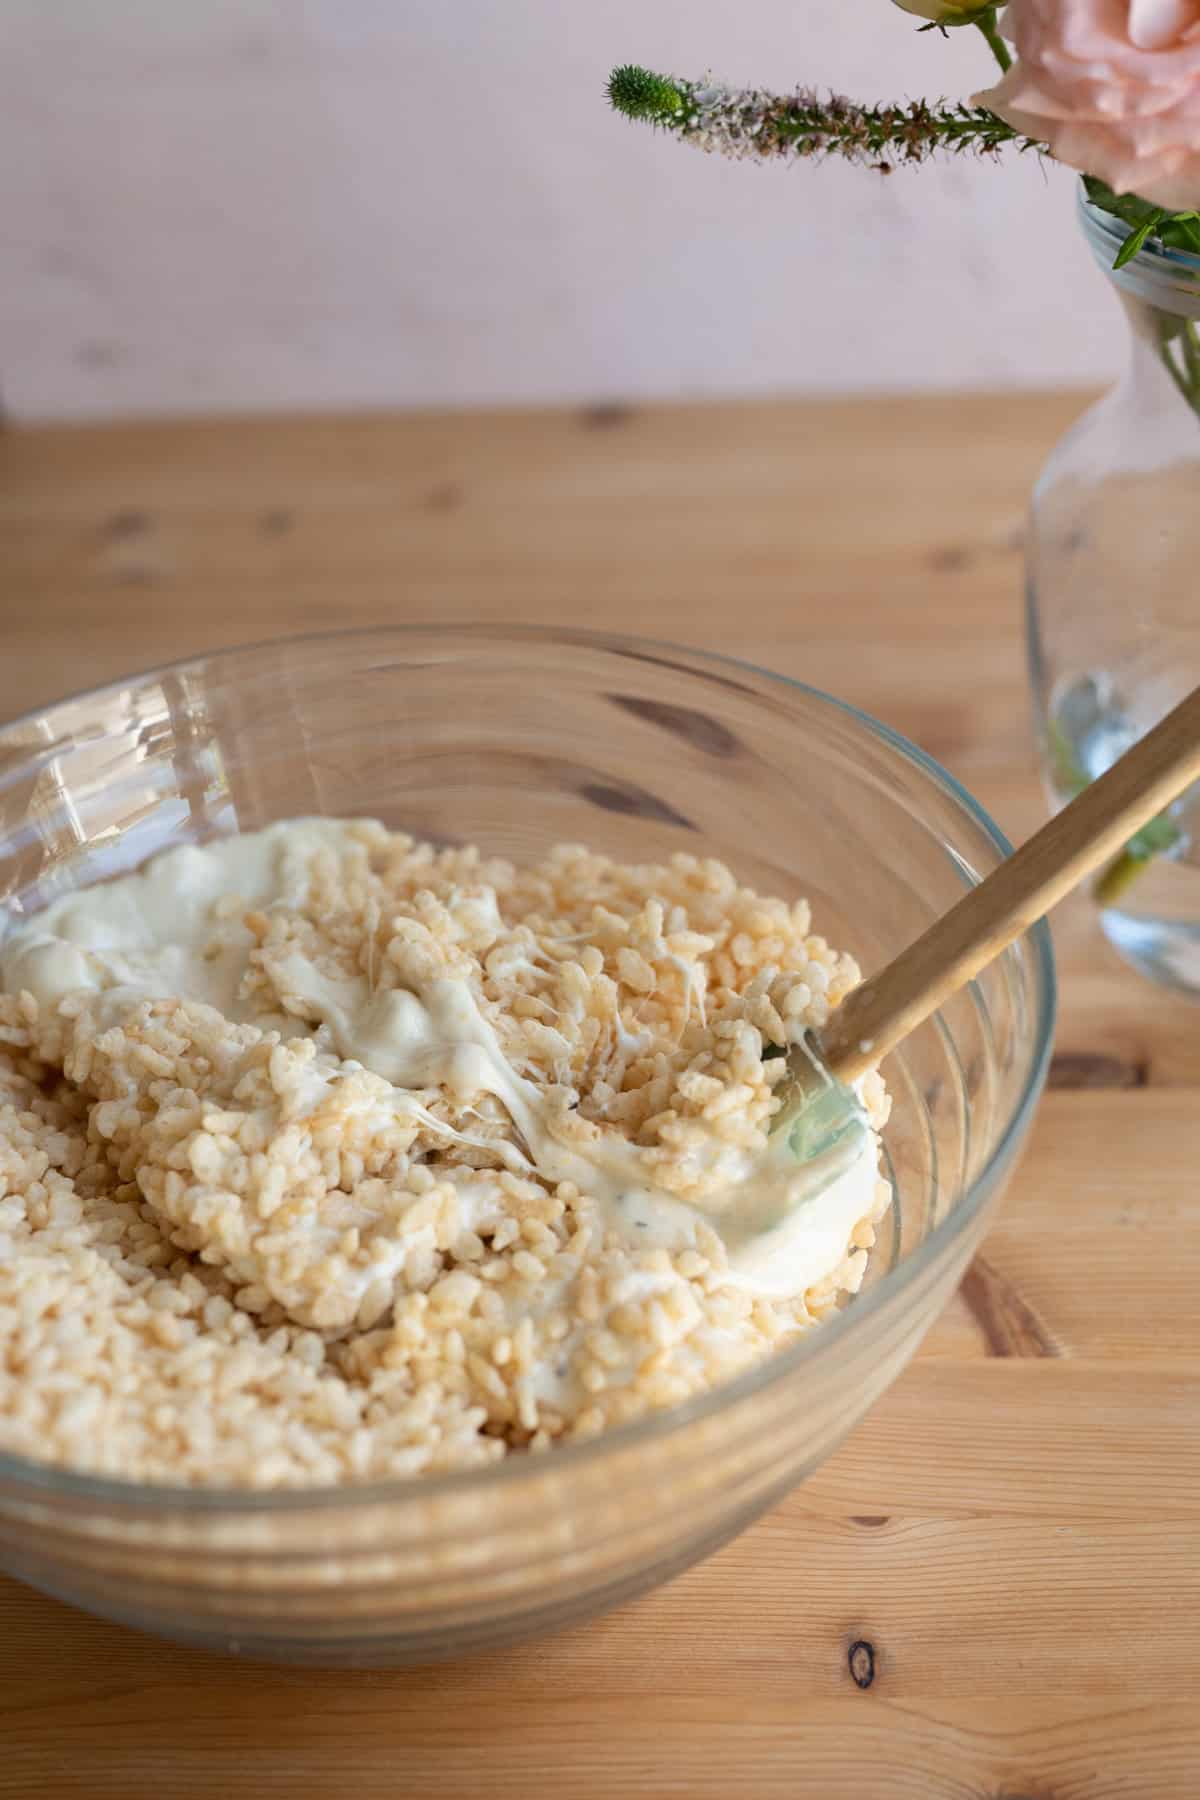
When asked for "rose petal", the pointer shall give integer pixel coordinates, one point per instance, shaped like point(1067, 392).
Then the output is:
point(1153, 24)
point(1113, 87)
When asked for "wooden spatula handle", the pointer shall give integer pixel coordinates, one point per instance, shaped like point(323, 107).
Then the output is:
point(1081, 838)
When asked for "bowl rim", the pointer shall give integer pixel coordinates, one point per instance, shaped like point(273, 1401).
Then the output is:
point(53, 1481)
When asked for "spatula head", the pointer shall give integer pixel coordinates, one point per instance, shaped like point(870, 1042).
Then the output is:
point(820, 1119)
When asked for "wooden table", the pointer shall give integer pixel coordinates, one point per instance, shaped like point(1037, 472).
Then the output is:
point(1014, 1529)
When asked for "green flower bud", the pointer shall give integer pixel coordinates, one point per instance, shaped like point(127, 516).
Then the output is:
point(947, 12)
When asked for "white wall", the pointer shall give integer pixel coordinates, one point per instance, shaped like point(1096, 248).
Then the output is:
point(210, 204)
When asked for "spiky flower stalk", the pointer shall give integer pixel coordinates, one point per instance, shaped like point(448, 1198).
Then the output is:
point(742, 122)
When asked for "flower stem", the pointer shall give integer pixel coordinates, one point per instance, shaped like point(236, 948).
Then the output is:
point(995, 43)
point(1184, 370)
point(1189, 340)
point(751, 122)
point(1119, 876)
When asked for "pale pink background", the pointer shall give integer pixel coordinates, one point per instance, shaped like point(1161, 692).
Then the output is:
point(308, 203)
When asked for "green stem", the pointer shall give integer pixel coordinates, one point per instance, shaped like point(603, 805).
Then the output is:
point(1185, 373)
point(1159, 837)
point(1162, 833)
point(1119, 876)
point(1189, 340)
point(995, 43)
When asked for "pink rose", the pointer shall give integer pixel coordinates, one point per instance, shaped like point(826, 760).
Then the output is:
point(1113, 86)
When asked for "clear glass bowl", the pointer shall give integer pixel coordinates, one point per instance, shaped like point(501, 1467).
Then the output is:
point(517, 739)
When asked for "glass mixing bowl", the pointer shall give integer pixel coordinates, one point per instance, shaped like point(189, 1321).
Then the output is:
point(517, 739)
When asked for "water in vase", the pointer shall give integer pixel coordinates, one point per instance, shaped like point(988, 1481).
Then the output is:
point(1149, 897)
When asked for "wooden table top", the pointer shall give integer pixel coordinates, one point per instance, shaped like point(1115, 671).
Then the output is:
point(1014, 1529)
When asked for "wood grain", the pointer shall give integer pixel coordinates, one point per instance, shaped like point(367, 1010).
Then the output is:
point(1005, 1552)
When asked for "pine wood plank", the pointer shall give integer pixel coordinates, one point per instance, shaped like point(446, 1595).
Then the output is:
point(1013, 1530)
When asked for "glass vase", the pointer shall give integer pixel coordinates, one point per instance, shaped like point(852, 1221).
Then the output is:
point(1113, 595)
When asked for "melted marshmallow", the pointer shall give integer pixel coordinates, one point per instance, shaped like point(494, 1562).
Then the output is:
point(155, 934)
